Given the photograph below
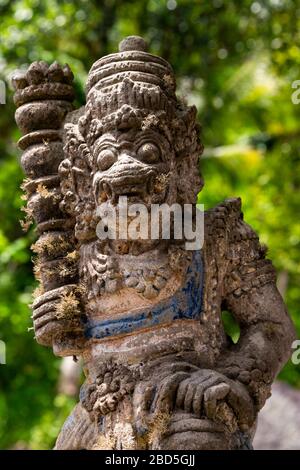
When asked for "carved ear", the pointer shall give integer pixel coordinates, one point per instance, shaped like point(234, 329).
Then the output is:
point(75, 144)
point(75, 169)
point(76, 182)
point(188, 148)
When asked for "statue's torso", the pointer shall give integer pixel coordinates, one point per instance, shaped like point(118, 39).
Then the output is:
point(178, 320)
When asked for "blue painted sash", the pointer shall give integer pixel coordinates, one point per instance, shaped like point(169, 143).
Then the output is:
point(186, 303)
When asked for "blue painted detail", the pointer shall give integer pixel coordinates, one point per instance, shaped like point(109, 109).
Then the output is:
point(186, 303)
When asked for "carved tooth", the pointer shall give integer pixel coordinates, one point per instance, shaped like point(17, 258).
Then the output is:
point(107, 189)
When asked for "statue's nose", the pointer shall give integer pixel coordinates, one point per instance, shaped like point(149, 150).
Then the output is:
point(126, 158)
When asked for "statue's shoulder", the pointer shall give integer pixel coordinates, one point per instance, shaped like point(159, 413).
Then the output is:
point(233, 247)
point(226, 230)
point(228, 217)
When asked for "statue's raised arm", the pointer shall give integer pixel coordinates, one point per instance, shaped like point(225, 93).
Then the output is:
point(43, 96)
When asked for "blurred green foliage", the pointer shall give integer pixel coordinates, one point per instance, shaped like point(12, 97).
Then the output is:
point(236, 60)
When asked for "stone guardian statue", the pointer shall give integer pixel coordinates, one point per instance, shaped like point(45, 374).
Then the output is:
point(144, 314)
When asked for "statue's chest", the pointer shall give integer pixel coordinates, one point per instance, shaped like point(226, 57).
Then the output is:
point(124, 312)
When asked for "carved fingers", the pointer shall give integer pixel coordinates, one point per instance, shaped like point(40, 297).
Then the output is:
point(56, 312)
point(213, 395)
point(191, 391)
point(205, 393)
point(166, 392)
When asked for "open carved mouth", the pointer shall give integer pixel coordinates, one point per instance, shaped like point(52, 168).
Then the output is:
point(136, 192)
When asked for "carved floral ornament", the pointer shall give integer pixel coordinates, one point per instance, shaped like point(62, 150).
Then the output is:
point(145, 315)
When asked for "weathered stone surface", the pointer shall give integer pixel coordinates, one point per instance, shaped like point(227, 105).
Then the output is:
point(144, 314)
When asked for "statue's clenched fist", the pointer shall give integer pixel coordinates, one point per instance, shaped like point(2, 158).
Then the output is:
point(212, 394)
point(205, 393)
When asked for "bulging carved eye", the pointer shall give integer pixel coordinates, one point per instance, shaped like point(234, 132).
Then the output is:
point(149, 153)
point(106, 159)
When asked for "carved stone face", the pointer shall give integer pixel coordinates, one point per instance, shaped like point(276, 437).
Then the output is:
point(133, 163)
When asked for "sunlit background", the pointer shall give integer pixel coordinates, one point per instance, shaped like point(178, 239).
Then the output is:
point(236, 60)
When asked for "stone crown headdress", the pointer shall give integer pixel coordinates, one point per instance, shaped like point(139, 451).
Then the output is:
point(132, 77)
point(130, 85)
